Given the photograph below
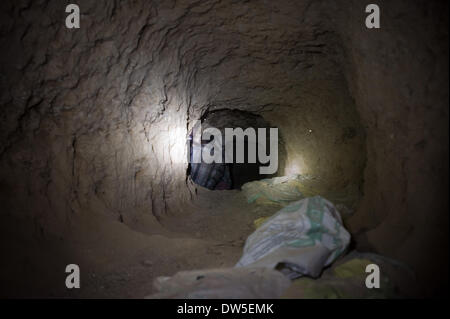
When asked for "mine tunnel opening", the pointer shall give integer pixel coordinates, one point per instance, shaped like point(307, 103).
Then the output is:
point(95, 122)
point(250, 149)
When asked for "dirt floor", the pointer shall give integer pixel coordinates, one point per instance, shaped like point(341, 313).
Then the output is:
point(210, 233)
point(117, 261)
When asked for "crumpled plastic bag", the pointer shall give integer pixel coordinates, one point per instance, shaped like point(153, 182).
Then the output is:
point(277, 190)
point(283, 190)
point(300, 239)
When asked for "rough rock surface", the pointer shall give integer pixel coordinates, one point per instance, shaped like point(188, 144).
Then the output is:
point(399, 79)
point(94, 120)
point(113, 100)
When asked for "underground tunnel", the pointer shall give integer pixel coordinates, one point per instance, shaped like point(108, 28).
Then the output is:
point(97, 146)
point(235, 172)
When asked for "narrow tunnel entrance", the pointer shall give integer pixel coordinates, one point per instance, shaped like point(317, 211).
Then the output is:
point(225, 175)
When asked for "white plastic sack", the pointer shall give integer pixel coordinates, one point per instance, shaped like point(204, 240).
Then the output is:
point(300, 239)
point(228, 283)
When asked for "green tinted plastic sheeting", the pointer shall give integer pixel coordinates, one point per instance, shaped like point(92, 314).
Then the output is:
point(346, 280)
point(300, 239)
point(354, 268)
point(278, 190)
point(281, 191)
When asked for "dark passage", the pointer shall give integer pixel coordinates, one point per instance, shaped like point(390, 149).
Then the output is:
point(223, 176)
